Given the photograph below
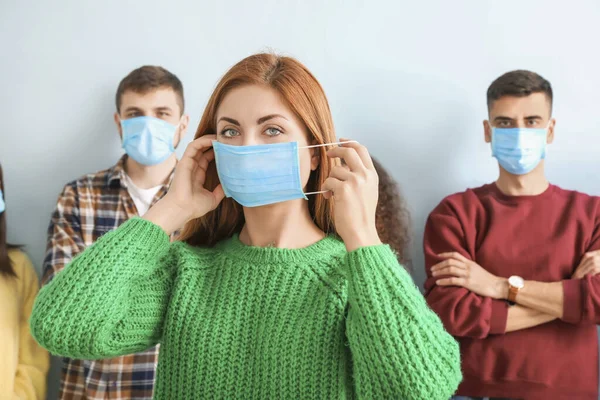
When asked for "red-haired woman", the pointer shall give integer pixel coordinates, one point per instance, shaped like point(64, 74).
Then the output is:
point(279, 286)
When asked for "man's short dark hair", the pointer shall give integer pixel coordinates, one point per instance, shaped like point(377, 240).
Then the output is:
point(520, 83)
point(147, 78)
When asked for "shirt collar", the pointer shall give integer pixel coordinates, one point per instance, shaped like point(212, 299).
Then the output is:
point(117, 172)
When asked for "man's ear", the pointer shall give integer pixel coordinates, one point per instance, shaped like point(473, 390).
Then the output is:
point(117, 119)
point(551, 125)
point(182, 130)
point(487, 131)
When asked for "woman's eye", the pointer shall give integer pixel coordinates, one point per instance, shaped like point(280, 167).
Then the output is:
point(273, 132)
point(229, 133)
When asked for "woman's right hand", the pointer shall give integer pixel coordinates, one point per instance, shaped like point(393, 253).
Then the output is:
point(187, 198)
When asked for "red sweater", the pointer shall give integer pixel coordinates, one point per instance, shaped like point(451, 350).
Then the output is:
point(541, 238)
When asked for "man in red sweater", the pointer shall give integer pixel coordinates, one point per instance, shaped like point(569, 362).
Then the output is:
point(511, 266)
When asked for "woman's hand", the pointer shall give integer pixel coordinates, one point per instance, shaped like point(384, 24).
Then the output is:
point(354, 188)
point(187, 198)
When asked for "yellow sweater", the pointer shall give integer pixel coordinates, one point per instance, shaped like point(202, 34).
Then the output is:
point(24, 364)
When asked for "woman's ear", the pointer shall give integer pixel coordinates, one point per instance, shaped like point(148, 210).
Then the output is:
point(315, 158)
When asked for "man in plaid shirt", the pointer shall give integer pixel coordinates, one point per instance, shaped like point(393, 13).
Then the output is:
point(151, 123)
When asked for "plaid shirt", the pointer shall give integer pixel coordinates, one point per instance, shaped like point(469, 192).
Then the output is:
point(87, 208)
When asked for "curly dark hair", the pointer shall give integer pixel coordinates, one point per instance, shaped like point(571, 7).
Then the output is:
point(392, 217)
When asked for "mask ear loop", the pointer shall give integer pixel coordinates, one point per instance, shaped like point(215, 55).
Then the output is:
point(178, 130)
point(176, 126)
point(179, 123)
point(328, 144)
point(320, 192)
point(324, 145)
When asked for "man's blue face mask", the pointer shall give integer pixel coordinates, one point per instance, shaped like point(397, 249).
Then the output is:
point(263, 174)
point(519, 150)
point(148, 140)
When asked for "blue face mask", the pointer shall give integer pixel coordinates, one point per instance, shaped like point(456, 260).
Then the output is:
point(148, 140)
point(260, 175)
point(2, 203)
point(519, 150)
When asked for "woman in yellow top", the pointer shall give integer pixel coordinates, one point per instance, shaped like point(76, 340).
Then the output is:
point(23, 363)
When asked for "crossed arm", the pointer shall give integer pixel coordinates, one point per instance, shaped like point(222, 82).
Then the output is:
point(471, 301)
point(537, 302)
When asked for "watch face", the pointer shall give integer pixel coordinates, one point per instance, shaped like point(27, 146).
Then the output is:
point(516, 281)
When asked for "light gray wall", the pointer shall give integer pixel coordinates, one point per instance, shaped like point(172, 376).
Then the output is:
point(407, 78)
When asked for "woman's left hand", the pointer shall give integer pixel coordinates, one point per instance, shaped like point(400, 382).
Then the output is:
point(354, 188)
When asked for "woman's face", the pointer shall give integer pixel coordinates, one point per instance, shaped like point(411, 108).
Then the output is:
point(253, 115)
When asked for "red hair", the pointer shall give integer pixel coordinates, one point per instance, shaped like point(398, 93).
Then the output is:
point(306, 98)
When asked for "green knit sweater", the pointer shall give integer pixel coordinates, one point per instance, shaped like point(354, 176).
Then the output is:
point(242, 322)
